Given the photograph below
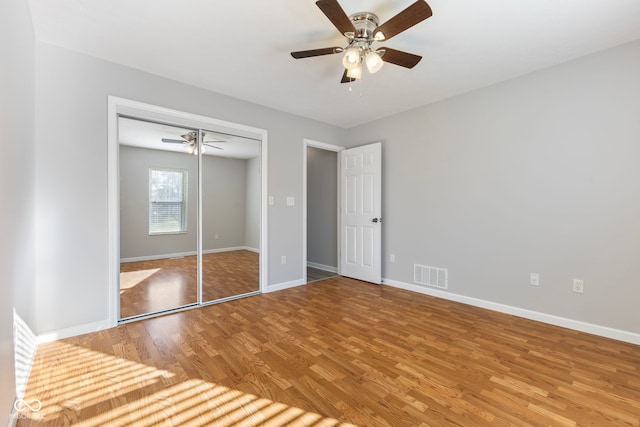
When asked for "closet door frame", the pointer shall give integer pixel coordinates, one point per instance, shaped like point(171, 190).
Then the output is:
point(120, 106)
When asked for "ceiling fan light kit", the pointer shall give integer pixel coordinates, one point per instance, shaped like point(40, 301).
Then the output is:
point(355, 72)
point(361, 30)
point(374, 61)
point(351, 58)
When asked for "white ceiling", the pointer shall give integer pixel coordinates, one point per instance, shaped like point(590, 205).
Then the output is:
point(241, 48)
point(144, 134)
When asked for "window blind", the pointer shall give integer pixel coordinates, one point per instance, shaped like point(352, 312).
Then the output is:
point(167, 200)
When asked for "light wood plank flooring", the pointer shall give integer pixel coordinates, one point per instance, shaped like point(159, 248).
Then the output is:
point(158, 285)
point(336, 352)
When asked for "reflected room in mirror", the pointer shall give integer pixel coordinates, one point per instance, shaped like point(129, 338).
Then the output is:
point(189, 198)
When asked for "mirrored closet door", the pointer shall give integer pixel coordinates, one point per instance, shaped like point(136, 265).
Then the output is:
point(190, 206)
point(230, 215)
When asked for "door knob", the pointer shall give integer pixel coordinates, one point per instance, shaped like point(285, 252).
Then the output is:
point(376, 220)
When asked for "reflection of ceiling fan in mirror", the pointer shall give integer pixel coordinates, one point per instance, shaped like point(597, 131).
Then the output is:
point(191, 139)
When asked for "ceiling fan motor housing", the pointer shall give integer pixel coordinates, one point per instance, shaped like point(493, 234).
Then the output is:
point(365, 24)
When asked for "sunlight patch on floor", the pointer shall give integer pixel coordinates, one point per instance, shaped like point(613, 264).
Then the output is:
point(91, 389)
point(129, 279)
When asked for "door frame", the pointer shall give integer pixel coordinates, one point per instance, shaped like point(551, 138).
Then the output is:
point(328, 147)
point(117, 106)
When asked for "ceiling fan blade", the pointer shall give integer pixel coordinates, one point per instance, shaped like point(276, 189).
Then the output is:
point(346, 79)
point(335, 13)
point(316, 52)
point(174, 141)
point(398, 57)
point(417, 12)
point(213, 146)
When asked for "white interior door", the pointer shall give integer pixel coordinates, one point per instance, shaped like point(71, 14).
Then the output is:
point(361, 182)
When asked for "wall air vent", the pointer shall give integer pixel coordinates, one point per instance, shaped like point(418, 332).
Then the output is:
point(430, 276)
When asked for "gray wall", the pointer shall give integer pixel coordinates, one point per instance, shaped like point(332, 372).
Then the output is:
point(135, 240)
point(71, 153)
point(17, 184)
point(536, 174)
point(224, 199)
point(322, 207)
point(224, 212)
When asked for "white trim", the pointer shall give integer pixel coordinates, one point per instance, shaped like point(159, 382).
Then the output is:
point(322, 267)
point(113, 209)
point(73, 331)
point(25, 347)
point(190, 253)
point(13, 415)
point(286, 285)
point(199, 230)
point(160, 256)
point(264, 210)
point(322, 146)
point(577, 325)
point(117, 106)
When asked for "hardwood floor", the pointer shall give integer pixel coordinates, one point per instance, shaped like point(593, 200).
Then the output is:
point(336, 352)
point(153, 286)
point(231, 273)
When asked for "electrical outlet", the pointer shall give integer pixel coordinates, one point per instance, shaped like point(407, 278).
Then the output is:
point(578, 285)
point(216, 236)
point(534, 279)
point(283, 260)
point(271, 201)
point(392, 258)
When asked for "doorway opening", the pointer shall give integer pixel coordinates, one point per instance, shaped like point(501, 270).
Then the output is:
point(321, 211)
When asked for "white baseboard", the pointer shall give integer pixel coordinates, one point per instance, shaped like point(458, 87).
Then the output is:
point(25, 346)
point(190, 253)
point(73, 331)
point(160, 256)
point(322, 267)
point(577, 325)
point(231, 249)
point(285, 285)
point(13, 415)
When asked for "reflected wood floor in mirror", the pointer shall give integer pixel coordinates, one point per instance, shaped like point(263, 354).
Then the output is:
point(158, 285)
point(332, 352)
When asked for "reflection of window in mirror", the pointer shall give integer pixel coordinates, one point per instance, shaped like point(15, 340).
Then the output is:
point(167, 201)
point(162, 266)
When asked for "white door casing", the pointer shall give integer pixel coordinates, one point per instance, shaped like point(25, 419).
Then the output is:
point(117, 106)
point(360, 218)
